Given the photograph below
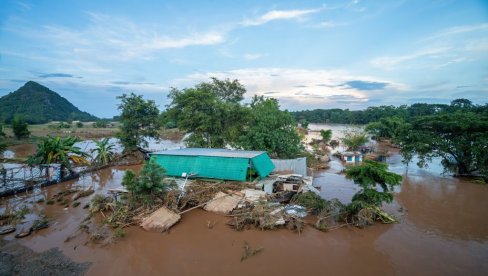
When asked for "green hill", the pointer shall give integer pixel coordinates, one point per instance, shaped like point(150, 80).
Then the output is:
point(38, 104)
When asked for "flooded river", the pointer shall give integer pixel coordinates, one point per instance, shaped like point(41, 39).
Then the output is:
point(442, 231)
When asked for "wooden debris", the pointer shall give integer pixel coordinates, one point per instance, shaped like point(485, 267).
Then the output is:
point(223, 203)
point(161, 220)
point(82, 193)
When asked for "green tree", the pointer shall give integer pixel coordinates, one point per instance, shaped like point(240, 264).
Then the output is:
point(462, 104)
point(304, 123)
point(3, 146)
point(385, 128)
point(2, 134)
point(459, 139)
point(326, 135)
point(270, 129)
point(104, 152)
point(100, 124)
point(353, 139)
point(59, 151)
point(20, 128)
point(79, 124)
point(226, 90)
point(210, 112)
point(138, 120)
point(369, 176)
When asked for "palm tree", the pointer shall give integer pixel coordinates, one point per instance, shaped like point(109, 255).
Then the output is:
point(104, 152)
point(60, 151)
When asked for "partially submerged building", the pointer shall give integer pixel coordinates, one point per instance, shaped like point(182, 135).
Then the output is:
point(225, 164)
point(352, 157)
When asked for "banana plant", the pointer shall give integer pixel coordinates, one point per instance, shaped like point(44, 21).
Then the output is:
point(104, 152)
point(57, 150)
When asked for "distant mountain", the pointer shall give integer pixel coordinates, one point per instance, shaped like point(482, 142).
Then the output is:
point(38, 104)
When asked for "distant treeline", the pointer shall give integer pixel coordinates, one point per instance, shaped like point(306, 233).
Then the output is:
point(373, 114)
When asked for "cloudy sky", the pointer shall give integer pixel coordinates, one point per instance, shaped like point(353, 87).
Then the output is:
point(308, 54)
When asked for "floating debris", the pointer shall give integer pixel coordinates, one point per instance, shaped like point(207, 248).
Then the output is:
point(161, 220)
point(249, 252)
point(296, 211)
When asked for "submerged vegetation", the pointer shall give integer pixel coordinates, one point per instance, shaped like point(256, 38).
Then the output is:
point(150, 182)
point(60, 151)
point(454, 133)
point(104, 152)
point(370, 176)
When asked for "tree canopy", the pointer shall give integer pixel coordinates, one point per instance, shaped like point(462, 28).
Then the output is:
point(385, 128)
point(138, 120)
point(209, 112)
point(460, 139)
point(214, 115)
point(270, 129)
point(368, 176)
point(354, 139)
point(326, 135)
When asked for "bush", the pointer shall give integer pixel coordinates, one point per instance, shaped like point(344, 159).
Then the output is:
point(310, 201)
point(149, 182)
point(100, 124)
point(19, 127)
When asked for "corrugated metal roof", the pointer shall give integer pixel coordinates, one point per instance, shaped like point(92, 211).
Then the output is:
point(204, 166)
point(211, 152)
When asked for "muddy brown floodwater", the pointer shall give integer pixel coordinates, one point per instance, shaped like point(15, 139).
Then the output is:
point(19, 151)
point(442, 231)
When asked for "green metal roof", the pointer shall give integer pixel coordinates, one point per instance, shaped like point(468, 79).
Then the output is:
point(211, 152)
point(214, 163)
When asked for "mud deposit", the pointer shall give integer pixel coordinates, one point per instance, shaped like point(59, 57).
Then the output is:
point(16, 259)
point(442, 231)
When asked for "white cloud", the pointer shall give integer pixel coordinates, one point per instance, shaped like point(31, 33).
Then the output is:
point(392, 62)
point(113, 38)
point(477, 46)
point(456, 30)
point(297, 88)
point(449, 46)
point(279, 15)
point(326, 24)
point(253, 56)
